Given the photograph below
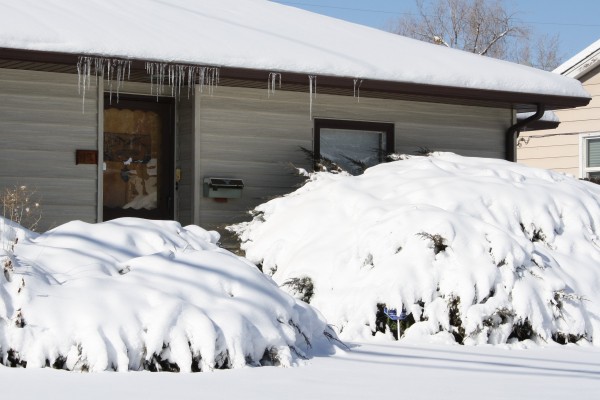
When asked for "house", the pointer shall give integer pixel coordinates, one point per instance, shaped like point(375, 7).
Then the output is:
point(573, 146)
point(112, 108)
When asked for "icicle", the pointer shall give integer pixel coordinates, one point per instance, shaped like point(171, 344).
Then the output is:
point(357, 83)
point(272, 83)
point(119, 72)
point(312, 91)
point(84, 71)
point(115, 71)
point(109, 72)
point(201, 72)
point(150, 72)
point(209, 77)
point(191, 80)
point(124, 64)
point(214, 79)
point(81, 73)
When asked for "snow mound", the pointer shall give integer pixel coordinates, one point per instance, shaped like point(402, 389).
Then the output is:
point(133, 294)
point(476, 250)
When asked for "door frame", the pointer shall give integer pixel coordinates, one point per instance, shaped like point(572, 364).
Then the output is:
point(168, 151)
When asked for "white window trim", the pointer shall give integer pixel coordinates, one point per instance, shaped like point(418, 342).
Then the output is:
point(583, 168)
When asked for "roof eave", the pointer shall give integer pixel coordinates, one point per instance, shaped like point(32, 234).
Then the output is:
point(519, 101)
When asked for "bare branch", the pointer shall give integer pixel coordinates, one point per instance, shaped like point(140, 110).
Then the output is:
point(494, 40)
point(485, 27)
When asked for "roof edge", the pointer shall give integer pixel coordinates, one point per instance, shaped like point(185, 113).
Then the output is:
point(520, 101)
point(581, 63)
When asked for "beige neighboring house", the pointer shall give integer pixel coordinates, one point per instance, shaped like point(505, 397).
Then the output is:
point(574, 146)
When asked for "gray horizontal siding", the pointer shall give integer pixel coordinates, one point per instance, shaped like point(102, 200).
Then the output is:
point(236, 132)
point(242, 133)
point(42, 124)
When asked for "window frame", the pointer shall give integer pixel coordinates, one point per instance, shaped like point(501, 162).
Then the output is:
point(387, 128)
point(584, 170)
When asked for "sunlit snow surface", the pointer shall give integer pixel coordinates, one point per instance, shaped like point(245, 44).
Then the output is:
point(257, 34)
point(369, 371)
point(522, 259)
point(134, 294)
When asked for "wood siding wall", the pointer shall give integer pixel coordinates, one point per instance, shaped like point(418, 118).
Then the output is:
point(235, 132)
point(559, 149)
point(41, 126)
point(242, 133)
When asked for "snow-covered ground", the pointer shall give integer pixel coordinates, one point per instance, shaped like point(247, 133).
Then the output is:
point(515, 244)
point(476, 250)
point(366, 372)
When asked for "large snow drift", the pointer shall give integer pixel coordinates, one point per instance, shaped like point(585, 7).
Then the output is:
point(133, 294)
point(257, 34)
point(486, 250)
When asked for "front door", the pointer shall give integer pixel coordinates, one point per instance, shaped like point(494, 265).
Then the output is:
point(138, 158)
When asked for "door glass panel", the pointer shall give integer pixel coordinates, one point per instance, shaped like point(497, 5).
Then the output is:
point(132, 157)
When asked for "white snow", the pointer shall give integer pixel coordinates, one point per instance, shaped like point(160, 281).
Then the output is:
point(549, 116)
point(522, 249)
point(368, 371)
point(134, 294)
point(580, 63)
point(257, 34)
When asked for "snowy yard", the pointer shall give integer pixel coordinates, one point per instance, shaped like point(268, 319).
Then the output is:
point(513, 273)
point(368, 371)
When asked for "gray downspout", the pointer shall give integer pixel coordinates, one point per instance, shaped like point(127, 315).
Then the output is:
point(512, 134)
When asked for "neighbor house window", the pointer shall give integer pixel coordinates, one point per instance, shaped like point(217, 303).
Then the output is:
point(591, 157)
point(353, 145)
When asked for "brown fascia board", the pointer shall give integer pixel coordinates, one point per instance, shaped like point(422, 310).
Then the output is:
point(519, 101)
point(541, 125)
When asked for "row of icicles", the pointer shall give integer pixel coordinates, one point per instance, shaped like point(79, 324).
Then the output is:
point(175, 76)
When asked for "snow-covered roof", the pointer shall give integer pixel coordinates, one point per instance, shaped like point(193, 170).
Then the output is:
point(582, 62)
point(258, 34)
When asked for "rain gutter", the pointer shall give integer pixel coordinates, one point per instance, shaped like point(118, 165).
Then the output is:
point(512, 134)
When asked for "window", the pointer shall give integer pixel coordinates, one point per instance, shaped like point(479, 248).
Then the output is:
point(352, 143)
point(591, 157)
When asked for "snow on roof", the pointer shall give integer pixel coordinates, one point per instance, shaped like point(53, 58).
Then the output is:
point(549, 116)
point(581, 62)
point(257, 34)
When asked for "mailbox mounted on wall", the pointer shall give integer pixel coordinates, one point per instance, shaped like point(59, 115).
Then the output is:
point(223, 188)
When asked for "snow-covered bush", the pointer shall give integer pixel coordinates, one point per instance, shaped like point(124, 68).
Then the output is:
point(476, 250)
point(134, 294)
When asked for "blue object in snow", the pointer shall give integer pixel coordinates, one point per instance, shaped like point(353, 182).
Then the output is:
point(393, 314)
